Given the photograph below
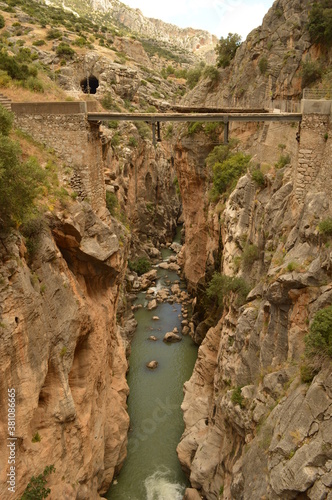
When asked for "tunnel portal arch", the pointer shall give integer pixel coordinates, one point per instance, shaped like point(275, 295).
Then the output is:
point(89, 84)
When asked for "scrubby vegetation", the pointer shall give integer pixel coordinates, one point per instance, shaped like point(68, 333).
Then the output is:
point(227, 167)
point(36, 489)
point(140, 266)
point(319, 339)
point(226, 49)
point(221, 286)
point(320, 23)
point(20, 181)
point(325, 227)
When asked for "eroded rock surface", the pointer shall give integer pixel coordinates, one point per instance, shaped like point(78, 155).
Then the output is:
point(62, 352)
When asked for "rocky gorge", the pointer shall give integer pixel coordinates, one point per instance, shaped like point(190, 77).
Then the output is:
point(257, 412)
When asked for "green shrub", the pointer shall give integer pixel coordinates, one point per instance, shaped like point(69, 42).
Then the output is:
point(311, 72)
point(140, 266)
point(39, 43)
point(115, 141)
point(32, 230)
point(319, 339)
point(14, 69)
point(36, 438)
point(20, 184)
point(53, 34)
point(108, 102)
point(64, 50)
point(81, 41)
point(143, 129)
point(63, 351)
point(283, 161)
point(250, 255)
point(263, 65)
point(2, 22)
point(35, 489)
point(111, 202)
point(320, 23)
point(258, 177)
point(5, 79)
point(226, 49)
point(218, 155)
point(132, 142)
point(220, 286)
point(194, 128)
point(212, 73)
point(325, 227)
point(292, 266)
point(34, 84)
point(227, 173)
point(237, 398)
point(193, 77)
point(113, 124)
point(307, 373)
point(6, 121)
point(169, 131)
point(211, 130)
point(279, 13)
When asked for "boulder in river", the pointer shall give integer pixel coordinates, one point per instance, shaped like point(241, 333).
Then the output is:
point(152, 305)
point(155, 318)
point(171, 337)
point(152, 365)
point(152, 337)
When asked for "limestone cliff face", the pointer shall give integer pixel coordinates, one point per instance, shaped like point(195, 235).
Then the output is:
point(199, 42)
point(253, 429)
point(62, 353)
point(202, 234)
point(267, 66)
point(144, 180)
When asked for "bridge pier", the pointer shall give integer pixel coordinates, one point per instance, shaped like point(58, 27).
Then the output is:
point(226, 130)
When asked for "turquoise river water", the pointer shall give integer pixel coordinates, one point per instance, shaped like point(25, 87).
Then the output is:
point(152, 470)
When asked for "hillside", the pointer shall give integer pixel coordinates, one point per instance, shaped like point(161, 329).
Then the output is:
point(274, 64)
point(182, 42)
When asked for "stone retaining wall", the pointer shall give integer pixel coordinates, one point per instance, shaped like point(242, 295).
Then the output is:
point(314, 159)
point(65, 128)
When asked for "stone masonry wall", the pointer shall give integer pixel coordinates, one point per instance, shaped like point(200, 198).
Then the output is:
point(75, 141)
point(314, 157)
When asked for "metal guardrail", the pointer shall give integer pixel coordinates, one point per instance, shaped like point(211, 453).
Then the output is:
point(317, 94)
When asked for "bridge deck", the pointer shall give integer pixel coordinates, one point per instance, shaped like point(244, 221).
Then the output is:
point(196, 117)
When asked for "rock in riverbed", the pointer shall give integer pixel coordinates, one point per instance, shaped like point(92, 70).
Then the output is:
point(152, 365)
point(171, 337)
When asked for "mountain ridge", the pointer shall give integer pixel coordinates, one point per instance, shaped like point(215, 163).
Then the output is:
point(196, 41)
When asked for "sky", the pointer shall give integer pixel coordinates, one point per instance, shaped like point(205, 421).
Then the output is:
point(219, 17)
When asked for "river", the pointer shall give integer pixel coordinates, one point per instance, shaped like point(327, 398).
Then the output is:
point(152, 470)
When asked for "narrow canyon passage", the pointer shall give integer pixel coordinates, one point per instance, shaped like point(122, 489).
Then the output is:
point(152, 470)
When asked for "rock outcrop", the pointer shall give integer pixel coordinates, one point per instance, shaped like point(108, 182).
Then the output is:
point(143, 179)
point(62, 353)
point(266, 69)
point(254, 429)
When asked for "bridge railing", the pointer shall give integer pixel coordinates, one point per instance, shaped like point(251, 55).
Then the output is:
point(284, 105)
point(317, 94)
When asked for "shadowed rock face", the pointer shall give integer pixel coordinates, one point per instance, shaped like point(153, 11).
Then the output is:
point(62, 353)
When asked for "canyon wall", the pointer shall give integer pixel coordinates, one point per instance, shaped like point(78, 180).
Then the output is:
point(254, 429)
point(144, 181)
point(62, 353)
